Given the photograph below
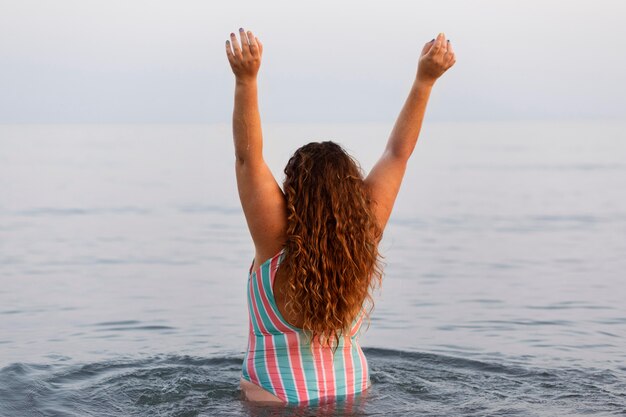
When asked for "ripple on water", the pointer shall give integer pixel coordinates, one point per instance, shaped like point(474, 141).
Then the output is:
point(404, 383)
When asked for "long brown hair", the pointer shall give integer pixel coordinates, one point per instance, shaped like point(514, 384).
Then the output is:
point(332, 260)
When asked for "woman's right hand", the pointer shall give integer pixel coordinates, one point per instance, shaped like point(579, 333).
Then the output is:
point(244, 57)
point(436, 58)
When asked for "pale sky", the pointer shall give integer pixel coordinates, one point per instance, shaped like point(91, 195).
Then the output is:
point(153, 61)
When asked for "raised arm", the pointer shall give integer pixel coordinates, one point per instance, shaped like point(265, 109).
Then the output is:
point(262, 200)
point(386, 176)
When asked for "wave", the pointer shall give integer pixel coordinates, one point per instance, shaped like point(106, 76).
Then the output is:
point(404, 383)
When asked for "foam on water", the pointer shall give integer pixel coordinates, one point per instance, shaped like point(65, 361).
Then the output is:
point(404, 384)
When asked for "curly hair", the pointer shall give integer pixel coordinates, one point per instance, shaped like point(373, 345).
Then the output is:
point(332, 260)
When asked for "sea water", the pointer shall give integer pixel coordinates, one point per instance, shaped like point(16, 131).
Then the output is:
point(124, 254)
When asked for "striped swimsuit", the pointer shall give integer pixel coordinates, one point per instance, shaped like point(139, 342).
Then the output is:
point(280, 360)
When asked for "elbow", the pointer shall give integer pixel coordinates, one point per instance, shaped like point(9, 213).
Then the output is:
point(246, 160)
point(242, 155)
point(239, 159)
point(247, 156)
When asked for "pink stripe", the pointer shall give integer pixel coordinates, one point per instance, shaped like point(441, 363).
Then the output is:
point(293, 348)
point(324, 391)
point(349, 364)
point(348, 406)
point(272, 369)
point(251, 355)
point(276, 321)
point(274, 268)
point(261, 326)
point(320, 352)
point(357, 326)
point(330, 372)
point(319, 369)
point(364, 370)
point(297, 368)
point(349, 370)
point(293, 339)
point(252, 370)
point(255, 309)
point(343, 361)
point(271, 362)
point(325, 398)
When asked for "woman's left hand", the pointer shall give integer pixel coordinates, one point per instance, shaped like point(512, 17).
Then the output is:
point(244, 58)
point(437, 57)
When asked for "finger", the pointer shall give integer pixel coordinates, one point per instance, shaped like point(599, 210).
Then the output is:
point(427, 46)
point(450, 61)
point(444, 44)
point(245, 45)
point(229, 53)
point(236, 48)
point(254, 47)
point(258, 41)
point(438, 46)
point(450, 50)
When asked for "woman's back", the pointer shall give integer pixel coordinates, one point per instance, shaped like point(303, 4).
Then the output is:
point(281, 357)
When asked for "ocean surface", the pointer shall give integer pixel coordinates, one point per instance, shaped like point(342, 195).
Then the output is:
point(124, 254)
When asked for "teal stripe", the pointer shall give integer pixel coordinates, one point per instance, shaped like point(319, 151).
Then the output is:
point(267, 284)
point(267, 323)
point(244, 367)
point(255, 327)
point(260, 367)
point(265, 280)
point(358, 370)
point(309, 369)
point(339, 365)
point(367, 369)
point(259, 352)
point(282, 351)
point(280, 343)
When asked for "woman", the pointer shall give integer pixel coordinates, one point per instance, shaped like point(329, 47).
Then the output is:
point(323, 232)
